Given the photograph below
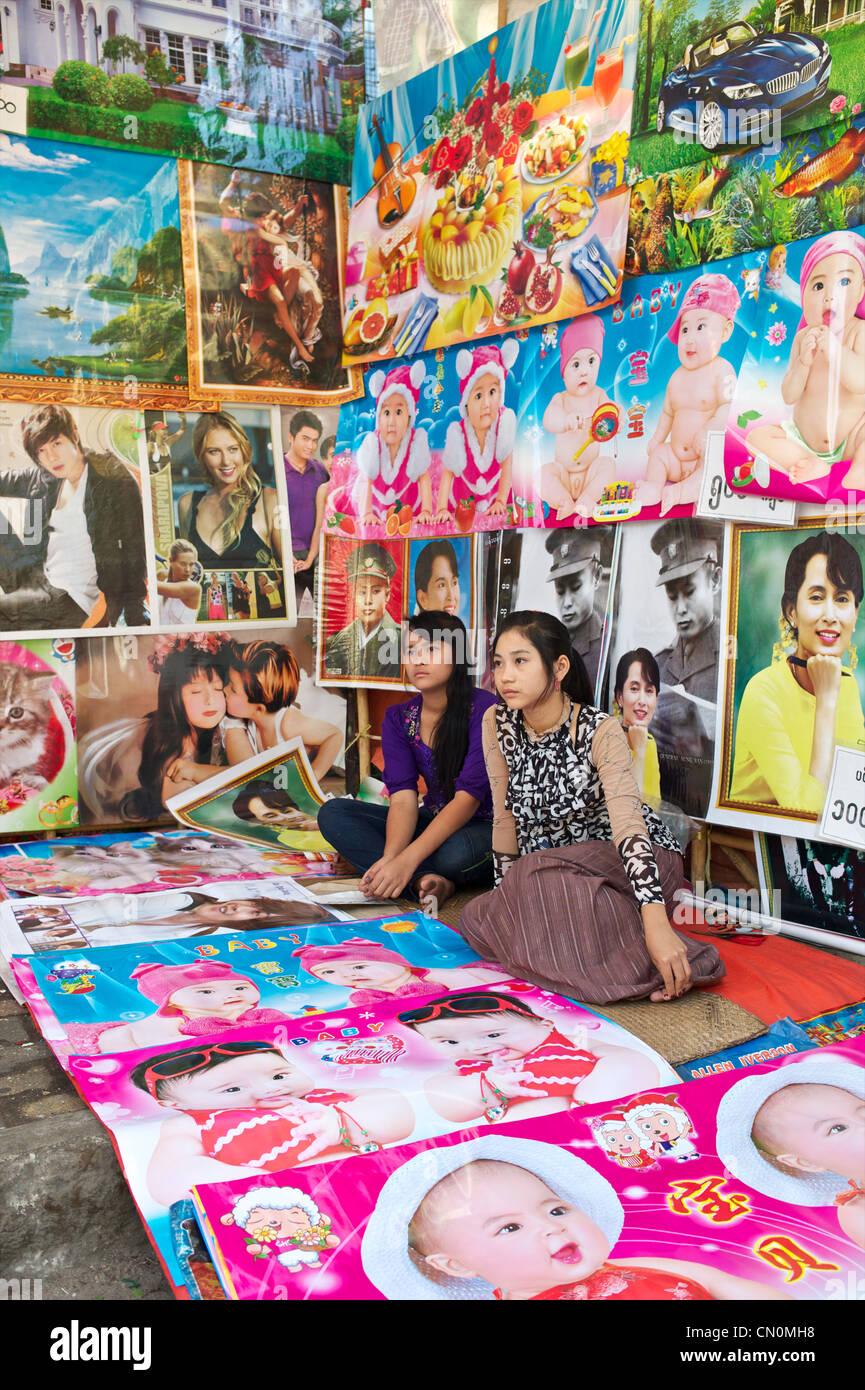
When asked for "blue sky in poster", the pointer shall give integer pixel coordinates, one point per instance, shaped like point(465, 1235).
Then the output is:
point(537, 40)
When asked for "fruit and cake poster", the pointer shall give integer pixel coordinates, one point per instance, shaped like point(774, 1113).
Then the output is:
point(797, 423)
point(523, 138)
point(353, 1081)
point(662, 1197)
point(600, 419)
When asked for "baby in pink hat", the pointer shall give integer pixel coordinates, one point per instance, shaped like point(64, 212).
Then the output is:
point(194, 1000)
point(479, 446)
point(394, 458)
point(698, 394)
point(572, 484)
point(825, 381)
point(374, 974)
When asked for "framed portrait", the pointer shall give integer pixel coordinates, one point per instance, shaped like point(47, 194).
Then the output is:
point(180, 704)
point(792, 690)
point(220, 522)
point(667, 604)
point(814, 891)
point(73, 549)
point(272, 800)
point(263, 257)
point(309, 441)
point(91, 280)
point(361, 605)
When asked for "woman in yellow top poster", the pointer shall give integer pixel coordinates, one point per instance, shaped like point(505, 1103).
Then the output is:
point(636, 687)
point(797, 710)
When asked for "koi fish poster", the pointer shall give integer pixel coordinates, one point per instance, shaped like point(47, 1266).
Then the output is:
point(568, 424)
point(797, 423)
point(348, 1082)
point(663, 1196)
point(522, 138)
point(712, 76)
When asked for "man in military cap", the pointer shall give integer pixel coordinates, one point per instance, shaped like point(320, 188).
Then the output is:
point(576, 572)
point(370, 645)
point(691, 576)
point(684, 729)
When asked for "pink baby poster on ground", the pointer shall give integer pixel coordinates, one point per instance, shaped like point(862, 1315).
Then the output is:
point(246, 1102)
point(660, 1197)
point(797, 425)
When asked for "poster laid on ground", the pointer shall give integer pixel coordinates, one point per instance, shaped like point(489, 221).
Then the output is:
point(221, 524)
point(662, 672)
point(263, 257)
point(271, 799)
point(91, 276)
point(816, 891)
point(38, 783)
point(797, 422)
point(150, 707)
point(664, 1196)
point(522, 136)
point(256, 86)
point(361, 1084)
point(125, 997)
point(43, 924)
point(90, 865)
point(807, 184)
point(713, 76)
point(791, 688)
point(73, 554)
point(601, 419)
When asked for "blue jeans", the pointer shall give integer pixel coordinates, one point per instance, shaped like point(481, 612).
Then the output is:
point(357, 830)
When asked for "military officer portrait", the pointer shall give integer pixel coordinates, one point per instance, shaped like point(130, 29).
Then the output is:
point(567, 572)
point(688, 559)
point(368, 647)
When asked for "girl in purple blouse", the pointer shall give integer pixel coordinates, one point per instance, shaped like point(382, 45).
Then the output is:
point(425, 852)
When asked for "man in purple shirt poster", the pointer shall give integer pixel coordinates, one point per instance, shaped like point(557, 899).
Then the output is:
point(304, 475)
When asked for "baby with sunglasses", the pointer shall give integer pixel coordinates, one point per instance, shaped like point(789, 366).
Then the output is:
point(243, 1109)
point(509, 1062)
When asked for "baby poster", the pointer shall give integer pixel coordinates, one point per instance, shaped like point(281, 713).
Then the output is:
point(119, 998)
point(43, 924)
point(791, 689)
point(663, 1197)
point(349, 1082)
point(797, 423)
point(491, 188)
point(600, 419)
point(89, 865)
point(38, 779)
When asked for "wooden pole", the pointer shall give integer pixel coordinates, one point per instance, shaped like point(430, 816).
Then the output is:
point(363, 739)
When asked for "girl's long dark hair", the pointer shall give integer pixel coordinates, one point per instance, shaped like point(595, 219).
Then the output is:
point(550, 639)
point(451, 737)
point(168, 726)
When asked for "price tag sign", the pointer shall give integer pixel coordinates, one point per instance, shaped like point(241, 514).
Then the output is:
point(844, 811)
point(718, 499)
point(13, 108)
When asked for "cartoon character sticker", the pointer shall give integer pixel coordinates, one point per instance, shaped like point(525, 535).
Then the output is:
point(284, 1221)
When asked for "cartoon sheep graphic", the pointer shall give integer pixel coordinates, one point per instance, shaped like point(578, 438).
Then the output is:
point(284, 1220)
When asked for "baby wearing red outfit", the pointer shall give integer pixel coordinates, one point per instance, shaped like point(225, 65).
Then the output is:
point(244, 1109)
point(501, 1218)
point(508, 1061)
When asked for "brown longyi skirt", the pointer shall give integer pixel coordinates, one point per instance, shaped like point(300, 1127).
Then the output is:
point(567, 920)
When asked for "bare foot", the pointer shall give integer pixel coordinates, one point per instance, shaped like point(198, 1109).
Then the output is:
point(808, 470)
point(658, 996)
point(434, 889)
point(856, 477)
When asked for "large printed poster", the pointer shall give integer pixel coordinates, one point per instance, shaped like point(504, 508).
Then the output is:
point(791, 686)
point(38, 785)
point(522, 138)
point(264, 261)
point(714, 75)
point(600, 419)
point(255, 85)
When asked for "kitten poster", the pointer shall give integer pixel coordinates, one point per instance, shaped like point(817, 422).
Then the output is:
point(38, 766)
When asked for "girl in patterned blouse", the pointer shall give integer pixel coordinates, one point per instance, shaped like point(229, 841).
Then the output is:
point(586, 874)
